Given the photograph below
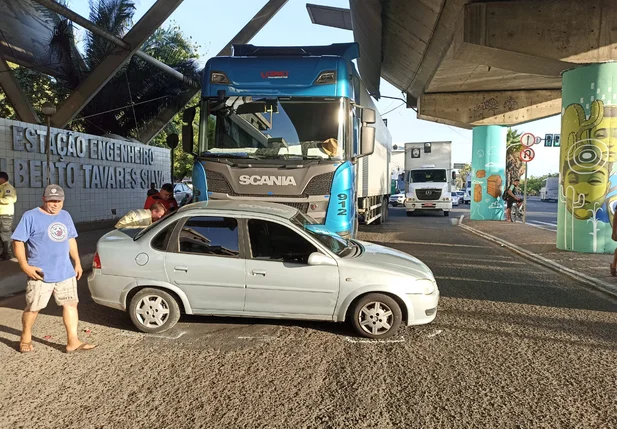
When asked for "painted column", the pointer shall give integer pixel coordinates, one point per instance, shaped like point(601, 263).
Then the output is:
point(488, 165)
point(587, 159)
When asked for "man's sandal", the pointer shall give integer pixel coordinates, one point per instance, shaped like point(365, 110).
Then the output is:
point(25, 347)
point(81, 348)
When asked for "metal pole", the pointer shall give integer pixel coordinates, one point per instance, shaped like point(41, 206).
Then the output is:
point(172, 166)
point(48, 150)
point(525, 196)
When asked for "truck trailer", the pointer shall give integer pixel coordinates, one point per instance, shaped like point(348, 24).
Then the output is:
point(428, 181)
point(296, 126)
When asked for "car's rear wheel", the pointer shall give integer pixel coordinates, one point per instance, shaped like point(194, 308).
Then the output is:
point(376, 316)
point(154, 310)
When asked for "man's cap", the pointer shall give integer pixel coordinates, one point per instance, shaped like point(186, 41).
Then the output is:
point(54, 193)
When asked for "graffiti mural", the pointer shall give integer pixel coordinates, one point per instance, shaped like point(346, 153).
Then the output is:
point(488, 169)
point(588, 171)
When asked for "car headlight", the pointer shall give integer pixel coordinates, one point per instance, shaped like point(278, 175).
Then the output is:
point(427, 286)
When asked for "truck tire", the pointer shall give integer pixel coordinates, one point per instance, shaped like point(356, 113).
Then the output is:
point(446, 213)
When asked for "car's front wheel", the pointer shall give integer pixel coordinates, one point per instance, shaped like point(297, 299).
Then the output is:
point(154, 310)
point(376, 316)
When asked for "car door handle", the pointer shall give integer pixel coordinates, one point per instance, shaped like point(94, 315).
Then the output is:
point(184, 269)
point(259, 273)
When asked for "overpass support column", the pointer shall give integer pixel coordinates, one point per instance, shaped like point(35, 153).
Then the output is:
point(488, 164)
point(588, 159)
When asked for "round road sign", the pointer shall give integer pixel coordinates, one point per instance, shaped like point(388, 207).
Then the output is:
point(528, 139)
point(527, 154)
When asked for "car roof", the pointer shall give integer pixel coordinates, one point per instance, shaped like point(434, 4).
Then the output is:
point(260, 207)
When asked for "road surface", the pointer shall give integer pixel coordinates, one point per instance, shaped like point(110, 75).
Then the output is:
point(513, 345)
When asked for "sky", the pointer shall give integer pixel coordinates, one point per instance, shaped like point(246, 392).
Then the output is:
point(212, 24)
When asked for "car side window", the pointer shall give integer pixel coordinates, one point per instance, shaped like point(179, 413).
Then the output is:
point(160, 241)
point(208, 235)
point(275, 242)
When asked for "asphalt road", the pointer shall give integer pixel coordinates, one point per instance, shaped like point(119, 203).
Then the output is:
point(539, 214)
point(514, 345)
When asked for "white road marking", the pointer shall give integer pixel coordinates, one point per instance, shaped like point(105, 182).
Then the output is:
point(143, 334)
point(263, 338)
point(434, 334)
point(351, 340)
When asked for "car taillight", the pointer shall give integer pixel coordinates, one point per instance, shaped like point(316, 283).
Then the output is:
point(96, 262)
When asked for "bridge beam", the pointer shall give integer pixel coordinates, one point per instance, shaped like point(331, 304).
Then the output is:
point(16, 96)
point(543, 37)
point(97, 79)
point(468, 109)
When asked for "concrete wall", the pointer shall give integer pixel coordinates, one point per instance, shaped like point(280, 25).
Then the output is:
point(102, 178)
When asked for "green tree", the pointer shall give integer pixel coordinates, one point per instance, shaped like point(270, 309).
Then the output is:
point(461, 178)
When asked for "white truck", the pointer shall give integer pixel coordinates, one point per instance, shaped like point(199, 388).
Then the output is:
point(428, 171)
point(550, 189)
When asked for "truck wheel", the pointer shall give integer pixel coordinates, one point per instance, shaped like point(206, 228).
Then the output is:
point(376, 316)
point(154, 310)
point(446, 213)
point(409, 214)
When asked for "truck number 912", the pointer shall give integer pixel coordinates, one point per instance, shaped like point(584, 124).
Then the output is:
point(342, 202)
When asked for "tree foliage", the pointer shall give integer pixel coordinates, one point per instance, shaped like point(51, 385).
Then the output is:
point(514, 165)
point(534, 184)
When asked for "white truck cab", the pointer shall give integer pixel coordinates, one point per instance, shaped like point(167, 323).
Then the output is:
point(428, 188)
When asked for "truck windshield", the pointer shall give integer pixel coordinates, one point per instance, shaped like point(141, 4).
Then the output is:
point(260, 128)
point(423, 176)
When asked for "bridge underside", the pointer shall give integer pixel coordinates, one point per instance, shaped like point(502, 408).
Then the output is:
point(469, 63)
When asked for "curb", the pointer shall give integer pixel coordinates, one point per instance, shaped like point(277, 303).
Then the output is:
point(16, 283)
point(601, 285)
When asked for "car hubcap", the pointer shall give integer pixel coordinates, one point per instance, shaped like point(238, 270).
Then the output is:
point(152, 311)
point(376, 318)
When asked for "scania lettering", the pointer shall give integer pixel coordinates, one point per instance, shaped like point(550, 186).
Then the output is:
point(292, 125)
point(268, 180)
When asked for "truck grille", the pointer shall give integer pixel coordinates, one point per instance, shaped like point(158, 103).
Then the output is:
point(428, 194)
point(319, 185)
point(217, 183)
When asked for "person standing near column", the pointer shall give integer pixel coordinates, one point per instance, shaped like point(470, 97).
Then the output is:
point(48, 234)
point(8, 198)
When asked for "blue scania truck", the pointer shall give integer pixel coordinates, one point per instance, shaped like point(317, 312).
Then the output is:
point(292, 125)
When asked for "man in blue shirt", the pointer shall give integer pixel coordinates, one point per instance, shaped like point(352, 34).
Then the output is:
point(43, 241)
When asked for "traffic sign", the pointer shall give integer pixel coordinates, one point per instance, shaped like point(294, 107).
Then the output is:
point(538, 139)
point(527, 154)
point(528, 139)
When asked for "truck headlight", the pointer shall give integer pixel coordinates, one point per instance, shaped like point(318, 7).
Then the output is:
point(427, 286)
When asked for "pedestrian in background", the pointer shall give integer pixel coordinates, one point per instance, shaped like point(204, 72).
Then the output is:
point(44, 242)
point(141, 218)
point(165, 196)
point(8, 198)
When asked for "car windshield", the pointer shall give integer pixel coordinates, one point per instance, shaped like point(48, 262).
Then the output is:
point(142, 232)
point(335, 243)
point(259, 128)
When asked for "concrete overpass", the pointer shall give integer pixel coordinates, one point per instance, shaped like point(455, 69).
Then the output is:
point(469, 63)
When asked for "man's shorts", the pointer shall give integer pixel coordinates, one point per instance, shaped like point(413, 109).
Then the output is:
point(509, 203)
point(38, 293)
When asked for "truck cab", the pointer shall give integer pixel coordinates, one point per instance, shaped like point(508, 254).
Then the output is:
point(428, 188)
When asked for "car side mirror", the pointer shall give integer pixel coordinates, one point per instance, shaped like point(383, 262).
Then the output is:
point(317, 258)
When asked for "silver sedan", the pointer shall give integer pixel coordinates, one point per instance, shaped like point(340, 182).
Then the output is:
point(254, 259)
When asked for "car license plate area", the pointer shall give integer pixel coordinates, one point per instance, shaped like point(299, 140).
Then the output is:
point(428, 205)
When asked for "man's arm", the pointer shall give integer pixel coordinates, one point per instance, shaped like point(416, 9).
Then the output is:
point(74, 252)
point(10, 197)
point(19, 249)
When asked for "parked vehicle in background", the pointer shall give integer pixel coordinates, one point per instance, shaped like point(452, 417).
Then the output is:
point(428, 169)
point(550, 189)
point(258, 259)
point(467, 197)
point(456, 198)
point(182, 193)
point(397, 199)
